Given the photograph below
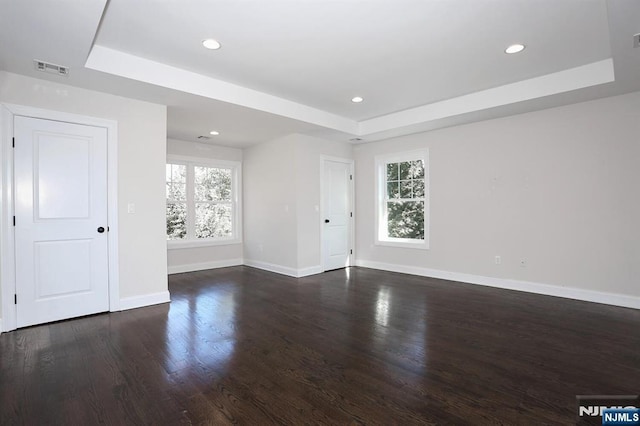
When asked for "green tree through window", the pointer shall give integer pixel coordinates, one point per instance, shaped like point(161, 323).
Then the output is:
point(201, 202)
point(213, 202)
point(405, 198)
point(176, 201)
point(402, 199)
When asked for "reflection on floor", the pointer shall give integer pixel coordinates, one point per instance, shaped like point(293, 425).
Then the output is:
point(240, 345)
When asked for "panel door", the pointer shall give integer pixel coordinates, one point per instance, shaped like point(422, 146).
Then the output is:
point(336, 234)
point(61, 220)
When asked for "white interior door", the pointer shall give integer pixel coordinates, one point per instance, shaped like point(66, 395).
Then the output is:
point(61, 220)
point(336, 205)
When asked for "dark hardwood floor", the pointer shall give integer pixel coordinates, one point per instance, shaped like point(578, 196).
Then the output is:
point(358, 346)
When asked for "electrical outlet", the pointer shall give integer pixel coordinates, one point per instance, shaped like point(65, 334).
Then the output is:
point(523, 263)
point(498, 260)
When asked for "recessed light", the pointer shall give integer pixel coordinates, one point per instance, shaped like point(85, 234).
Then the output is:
point(211, 44)
point(514, 48)
point(214, 133)
point(357, 99)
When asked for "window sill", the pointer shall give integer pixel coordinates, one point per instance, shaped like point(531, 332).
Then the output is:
point(175, 245)
point(420, 244)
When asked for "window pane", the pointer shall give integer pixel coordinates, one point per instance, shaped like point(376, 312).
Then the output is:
point(392, 171)
point(405, 168)
point(178, 173)
point(213, 220)
point(393, 190)
point(406, 219)
point(405, 189)
point(212, 184)
point(418, 188)
point(417, 169)
point(176, 191)
point(176, 221)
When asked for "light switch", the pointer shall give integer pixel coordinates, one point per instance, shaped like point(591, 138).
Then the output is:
point(131, 208)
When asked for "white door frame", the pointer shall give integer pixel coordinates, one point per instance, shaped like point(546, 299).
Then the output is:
point(7, 240)
point(352, 206)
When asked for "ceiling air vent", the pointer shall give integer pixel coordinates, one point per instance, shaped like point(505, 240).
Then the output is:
point(355, 139)
point(204, 138)
point(51, 68)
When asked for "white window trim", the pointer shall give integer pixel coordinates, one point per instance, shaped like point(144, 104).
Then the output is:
point(236, 191)
point(380, 208)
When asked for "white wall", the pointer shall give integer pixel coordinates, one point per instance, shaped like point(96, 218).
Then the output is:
point(270, 220)
point(141, 159)
point(196, 258)
point(558, 188)
point(281, 192)
point(203, 150)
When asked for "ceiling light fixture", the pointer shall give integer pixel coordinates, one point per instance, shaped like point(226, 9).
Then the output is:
point(357, 99)
point(211, 44)
point(214, 133)
point(514, 48)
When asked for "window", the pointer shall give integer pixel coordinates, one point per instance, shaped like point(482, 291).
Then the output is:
point(202, 203)
point(402, 198)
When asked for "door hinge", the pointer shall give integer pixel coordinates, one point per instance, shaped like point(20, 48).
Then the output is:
point(14, 221)
point(351, 214)
point(351, 251)
point(15, 299)
point(13, 142)
point(107, 229)
point(350, 177)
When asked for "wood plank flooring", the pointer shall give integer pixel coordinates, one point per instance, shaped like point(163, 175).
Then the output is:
point(356, 346)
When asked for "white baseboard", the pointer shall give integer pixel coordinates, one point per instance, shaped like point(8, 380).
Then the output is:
point(312, 270)
point(284, 270)
point(191, 267)
point(271, 267)
point(510, 284)
point(144, 300)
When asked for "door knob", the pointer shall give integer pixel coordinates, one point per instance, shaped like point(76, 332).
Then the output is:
point(101, 229)
point(326, 221)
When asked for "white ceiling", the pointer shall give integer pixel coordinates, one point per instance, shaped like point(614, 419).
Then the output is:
point(396, 54)
point(290, 66)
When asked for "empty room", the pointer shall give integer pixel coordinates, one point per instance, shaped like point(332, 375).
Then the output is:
point(358, 212)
